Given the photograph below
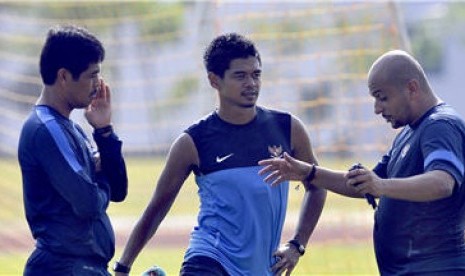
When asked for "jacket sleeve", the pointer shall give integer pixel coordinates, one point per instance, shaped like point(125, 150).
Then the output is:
point(113, 165)
point(67, 175)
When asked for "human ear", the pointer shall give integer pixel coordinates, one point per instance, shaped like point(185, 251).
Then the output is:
point(213, 79)
point(413, 87)
point(63, 75)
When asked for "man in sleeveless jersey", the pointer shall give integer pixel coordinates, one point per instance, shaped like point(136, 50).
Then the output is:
point(67, 184)
point(241, 218)
point(420, 222)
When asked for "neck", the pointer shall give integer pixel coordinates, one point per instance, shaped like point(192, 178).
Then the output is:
point(426, 105)
point(238, 115)
point(51, 97)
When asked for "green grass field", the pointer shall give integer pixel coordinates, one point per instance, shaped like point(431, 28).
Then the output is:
point(335, 249)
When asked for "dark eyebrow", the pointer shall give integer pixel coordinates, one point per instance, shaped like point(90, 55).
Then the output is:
point(244, 72)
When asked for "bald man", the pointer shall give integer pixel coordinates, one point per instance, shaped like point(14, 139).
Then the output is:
point(420, 220)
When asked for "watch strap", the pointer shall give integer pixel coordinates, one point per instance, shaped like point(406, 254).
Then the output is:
point(300, 248)
point(103, 130)
point(119, 267)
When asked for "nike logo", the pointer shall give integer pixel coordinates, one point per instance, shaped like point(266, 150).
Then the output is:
point(221, 159)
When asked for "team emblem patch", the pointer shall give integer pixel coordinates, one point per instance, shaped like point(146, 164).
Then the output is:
point(275, 151)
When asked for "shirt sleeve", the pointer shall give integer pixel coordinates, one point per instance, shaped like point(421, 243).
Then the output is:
point(442, 149)
point(113, 165)
point(66, 174)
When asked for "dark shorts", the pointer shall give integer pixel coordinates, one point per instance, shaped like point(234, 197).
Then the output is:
point(201, 265)
point(42, 262)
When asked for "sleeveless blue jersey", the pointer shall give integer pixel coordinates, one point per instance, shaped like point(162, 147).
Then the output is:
point(241, 217)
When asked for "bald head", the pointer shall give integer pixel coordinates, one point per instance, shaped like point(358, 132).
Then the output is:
point(397, 68)
point(399, 86)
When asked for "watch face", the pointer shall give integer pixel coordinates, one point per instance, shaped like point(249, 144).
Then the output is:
point(300, 248)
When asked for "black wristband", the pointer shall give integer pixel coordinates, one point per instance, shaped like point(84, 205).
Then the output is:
point(103, 130)
point(311, 175)
point(118, 267)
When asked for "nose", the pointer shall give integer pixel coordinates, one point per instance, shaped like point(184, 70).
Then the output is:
point(250, 81)
point(378, 108)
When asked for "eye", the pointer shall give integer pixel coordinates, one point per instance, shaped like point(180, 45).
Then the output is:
point(239, 76)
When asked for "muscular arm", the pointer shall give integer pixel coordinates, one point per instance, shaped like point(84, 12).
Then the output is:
point(429, 186)
point(181, 157)
point(290, 168)
point(314, 197)
point(334, 181)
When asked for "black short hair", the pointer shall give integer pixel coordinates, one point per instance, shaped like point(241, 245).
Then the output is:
point(70, 47)
point(224, 48)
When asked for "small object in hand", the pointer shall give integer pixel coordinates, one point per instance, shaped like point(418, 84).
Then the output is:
point(154, 271)
point(370, 198)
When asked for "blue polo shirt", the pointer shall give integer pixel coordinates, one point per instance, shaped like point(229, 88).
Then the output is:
point(241, 217)
point(416, 237)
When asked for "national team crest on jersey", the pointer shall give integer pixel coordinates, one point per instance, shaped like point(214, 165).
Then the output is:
point(275, 151)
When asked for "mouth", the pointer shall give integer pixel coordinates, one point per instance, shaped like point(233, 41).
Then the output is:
point(252, 94)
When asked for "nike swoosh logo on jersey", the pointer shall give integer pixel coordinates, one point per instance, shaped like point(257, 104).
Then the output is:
point(221, 159)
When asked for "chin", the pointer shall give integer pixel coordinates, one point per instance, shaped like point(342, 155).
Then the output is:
point(248, 105)
point(396, 125)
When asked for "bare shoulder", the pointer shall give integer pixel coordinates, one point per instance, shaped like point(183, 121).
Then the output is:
point(297, 123)
point(298, 131)
point(183, 150)
point(300, 140)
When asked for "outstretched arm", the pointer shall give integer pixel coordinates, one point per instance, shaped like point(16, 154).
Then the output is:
point(290, 168)
point(181, 157)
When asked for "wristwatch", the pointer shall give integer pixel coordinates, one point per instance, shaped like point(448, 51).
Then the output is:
point(118, 267)
point(300, 248)
point(103, 130)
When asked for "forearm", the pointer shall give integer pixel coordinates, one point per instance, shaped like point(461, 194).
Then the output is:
point(140, 235)
point(113, 165)
point(334, 181)
point(430, 186)
point(150, 220)
point(310, 212)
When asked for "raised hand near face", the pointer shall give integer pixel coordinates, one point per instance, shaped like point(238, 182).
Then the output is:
point(98, 113)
